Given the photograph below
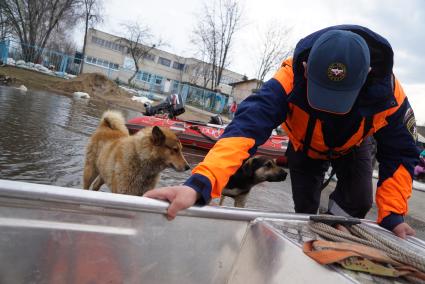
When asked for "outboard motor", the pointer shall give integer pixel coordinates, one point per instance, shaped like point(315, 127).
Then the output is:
point(216, 119)
point(173, 106)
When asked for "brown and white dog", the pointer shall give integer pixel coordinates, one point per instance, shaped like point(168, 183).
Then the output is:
point(130, 164)
point(253, 171)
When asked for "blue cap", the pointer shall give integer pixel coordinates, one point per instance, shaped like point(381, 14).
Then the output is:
point(337, 68)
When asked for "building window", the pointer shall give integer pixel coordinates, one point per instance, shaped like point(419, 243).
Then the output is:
point(144, 76)
point(147, 77)
point(107, 44)
point(178, 66)
point(175, 86)
point(149, 56)
point(164, 61)
point(227, 80)
point(113, 65)
point(158, 80)
point(102, 63)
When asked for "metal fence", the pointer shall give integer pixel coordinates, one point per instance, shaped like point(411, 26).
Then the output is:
point(42, 59)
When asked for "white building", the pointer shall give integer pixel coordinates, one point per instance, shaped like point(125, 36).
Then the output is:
point(163, 71)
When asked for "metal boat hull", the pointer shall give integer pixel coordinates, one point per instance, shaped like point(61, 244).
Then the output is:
point(51, 234)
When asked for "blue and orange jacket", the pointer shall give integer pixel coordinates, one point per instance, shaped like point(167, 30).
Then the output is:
point(381, 109)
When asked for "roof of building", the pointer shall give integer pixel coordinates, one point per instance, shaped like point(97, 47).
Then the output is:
point(245, 81)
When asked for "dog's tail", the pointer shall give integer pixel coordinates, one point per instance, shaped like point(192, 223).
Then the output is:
point(113, 120)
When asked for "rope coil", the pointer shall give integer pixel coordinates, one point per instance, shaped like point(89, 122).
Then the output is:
point(360, 234)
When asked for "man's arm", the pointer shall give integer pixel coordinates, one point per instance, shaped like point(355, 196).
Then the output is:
point(255, 119)
point(397, 156)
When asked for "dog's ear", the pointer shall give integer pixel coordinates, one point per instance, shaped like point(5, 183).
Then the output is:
point(158, 137)
point(250, 166)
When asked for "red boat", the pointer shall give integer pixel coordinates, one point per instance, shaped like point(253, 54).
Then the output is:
point(197, 134)
point(203, 136)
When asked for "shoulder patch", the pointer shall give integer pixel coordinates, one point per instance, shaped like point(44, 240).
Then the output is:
point(410, 122)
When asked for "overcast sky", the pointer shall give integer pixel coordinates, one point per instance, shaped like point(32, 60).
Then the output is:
point(402, 23)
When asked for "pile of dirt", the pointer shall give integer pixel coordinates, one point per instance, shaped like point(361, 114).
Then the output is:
point(94, 84)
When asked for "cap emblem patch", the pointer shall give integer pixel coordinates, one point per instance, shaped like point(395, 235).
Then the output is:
point(337, 72)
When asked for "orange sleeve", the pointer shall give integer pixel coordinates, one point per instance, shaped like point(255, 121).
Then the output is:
point(393, 194)
point(285, 75)
point(223, 160)
point(255, 119)
point(397, 155)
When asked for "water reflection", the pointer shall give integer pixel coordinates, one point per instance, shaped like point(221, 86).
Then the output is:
point(43, 136)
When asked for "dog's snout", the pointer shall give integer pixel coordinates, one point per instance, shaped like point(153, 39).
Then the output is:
point(281, 176)
point(180, 167)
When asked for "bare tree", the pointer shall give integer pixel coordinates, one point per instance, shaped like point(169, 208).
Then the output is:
point(206, 71)
point(92, 15)
point(200, 71)
point(33, 21)
point(139, 42)
point(273, 48)
point(214, 35)
point(4, 26)
point(194, 72)
point(62, 41)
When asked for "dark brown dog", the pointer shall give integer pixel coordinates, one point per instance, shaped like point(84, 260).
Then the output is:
point(253, 171)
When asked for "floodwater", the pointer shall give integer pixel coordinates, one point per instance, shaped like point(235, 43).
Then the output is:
point(43, 138)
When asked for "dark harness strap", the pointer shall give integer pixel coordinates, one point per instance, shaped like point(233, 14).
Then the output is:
point(309, 133)
point(331, 153)
point(367, 125)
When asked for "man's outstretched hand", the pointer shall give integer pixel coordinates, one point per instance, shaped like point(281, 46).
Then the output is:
point(180, 197)
point(403, 230)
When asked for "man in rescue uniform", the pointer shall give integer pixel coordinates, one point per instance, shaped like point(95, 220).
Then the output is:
point(336, 92)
